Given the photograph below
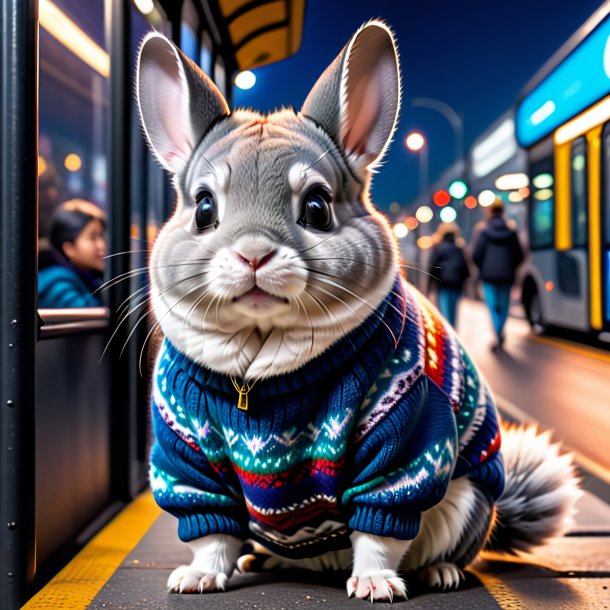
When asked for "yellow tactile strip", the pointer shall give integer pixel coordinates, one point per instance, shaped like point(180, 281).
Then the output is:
point(80, 581)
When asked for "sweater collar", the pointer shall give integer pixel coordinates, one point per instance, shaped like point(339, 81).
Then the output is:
point(376, 338)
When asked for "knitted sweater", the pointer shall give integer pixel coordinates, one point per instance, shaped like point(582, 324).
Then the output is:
point(364, 437)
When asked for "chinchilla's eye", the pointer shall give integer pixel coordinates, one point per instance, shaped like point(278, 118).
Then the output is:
point(315, 212)
point(206, 213)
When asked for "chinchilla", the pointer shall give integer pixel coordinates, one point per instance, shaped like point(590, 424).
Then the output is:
point(310, 407)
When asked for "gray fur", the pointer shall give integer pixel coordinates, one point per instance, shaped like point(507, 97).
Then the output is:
point(260, 169)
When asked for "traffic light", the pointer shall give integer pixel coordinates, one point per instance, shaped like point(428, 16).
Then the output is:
point(458, 189)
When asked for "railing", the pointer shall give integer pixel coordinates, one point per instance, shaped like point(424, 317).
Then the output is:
point(61, 322)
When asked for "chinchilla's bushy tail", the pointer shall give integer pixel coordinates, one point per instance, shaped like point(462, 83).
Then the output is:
point(541, 489)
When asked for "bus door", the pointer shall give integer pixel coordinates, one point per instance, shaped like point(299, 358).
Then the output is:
point(605, 226)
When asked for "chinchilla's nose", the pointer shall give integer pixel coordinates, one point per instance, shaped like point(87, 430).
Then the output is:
point(254, 250)
point(256, 261)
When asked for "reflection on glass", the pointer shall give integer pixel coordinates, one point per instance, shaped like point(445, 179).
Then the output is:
point(71, 268)
point(73, 125)
point(188, 28)
point(579, 193)
point(542, 205)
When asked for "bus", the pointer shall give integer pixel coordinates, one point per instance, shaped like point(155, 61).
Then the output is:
point(562, 120)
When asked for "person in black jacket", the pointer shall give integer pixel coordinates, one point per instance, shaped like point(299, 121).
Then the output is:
point(497, 254)
point(449, 269)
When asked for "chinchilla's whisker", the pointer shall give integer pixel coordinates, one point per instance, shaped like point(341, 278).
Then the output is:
point(143, 270)
point(341, 328)
point(314, 246)
point(198, 300)
point(136, 307)
point(338, 285)
point(317, 160)
point(304, 308)
point(124, 253)
point(364, 301)
point(158, 323)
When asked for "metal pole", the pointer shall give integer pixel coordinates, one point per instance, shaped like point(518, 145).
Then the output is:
point(18, 286)
point(423, 171)
point(455, 120)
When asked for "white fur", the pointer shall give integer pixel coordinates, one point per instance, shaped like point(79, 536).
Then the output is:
point(214, 558)
point(376, 561)
point(443, 525)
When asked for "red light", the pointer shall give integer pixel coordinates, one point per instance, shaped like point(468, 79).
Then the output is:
point(470, 202)
point(441, 198)
point(411, 223)
point(549, 285)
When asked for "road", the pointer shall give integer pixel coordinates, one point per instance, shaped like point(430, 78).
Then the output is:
point(562, 385)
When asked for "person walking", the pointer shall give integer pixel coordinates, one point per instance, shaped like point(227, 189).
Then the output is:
point(449, 269)
point(497, 254)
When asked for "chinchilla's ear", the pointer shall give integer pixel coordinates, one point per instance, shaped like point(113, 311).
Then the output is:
point(356, 100)
point(177, 101)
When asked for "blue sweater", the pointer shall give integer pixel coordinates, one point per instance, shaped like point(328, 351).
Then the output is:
point(364, 437)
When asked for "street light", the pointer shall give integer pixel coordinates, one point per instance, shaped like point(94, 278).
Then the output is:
point(416, 142)
point(455, 120)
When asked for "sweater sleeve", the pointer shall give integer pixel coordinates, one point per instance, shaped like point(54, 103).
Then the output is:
point(402, 466)
point(196, 487)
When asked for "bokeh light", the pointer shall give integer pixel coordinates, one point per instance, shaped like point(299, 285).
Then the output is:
point(42, 165)
point(448, 214)
point(458, 189)
point(73, 162)
point(425, 242)
point(441, 198)
point(411, 222)
point(424, 214)
point(415, 141)
point(400, 230)
point(245, 80)
point(470, 202)
point(486, 198)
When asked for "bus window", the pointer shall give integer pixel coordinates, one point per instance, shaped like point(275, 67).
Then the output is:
point(188, 31)
point(206, 53)
point(220, 76)
point(579, 192)
point(73, 153)
point(542, 204)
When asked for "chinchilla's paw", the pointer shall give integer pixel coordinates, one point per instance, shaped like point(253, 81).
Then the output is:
point(187, 579)
point(441, 576)
point(379, 586)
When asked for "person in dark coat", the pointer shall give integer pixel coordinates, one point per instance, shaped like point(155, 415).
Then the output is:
point(449, 269)
point(497, 254)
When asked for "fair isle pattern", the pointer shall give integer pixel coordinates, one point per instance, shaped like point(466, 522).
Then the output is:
point(367, 446)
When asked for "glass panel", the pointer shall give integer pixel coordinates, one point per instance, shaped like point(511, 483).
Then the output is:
point(188, 31)
point(542, 204)
point(579, 192)
point(149, 184)
point(206, 54)
point(220, 77)
point(73, 148)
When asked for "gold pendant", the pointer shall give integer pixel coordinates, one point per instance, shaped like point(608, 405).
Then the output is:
point(242, 401)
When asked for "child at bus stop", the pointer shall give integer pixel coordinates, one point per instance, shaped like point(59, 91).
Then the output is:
point(497, 254)
point(71, 270)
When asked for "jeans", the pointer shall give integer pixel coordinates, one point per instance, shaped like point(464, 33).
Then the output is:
point(497, 297)
point(447, 303)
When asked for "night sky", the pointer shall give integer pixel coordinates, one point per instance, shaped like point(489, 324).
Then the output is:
point(475, 55)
